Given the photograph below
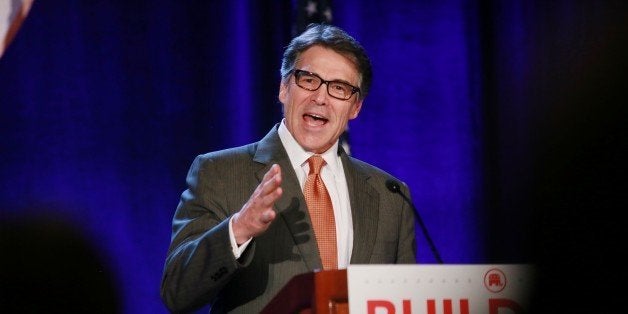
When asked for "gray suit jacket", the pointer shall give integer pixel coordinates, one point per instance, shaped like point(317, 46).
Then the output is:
point(201, 268)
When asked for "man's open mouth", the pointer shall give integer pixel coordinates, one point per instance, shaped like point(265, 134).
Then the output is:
point(313, 119)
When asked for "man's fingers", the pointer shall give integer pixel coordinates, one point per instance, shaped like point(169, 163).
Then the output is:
point(268, 199)
point(274, 169)
point(268, 216)
point(271, 182)
point(258, 212)
point(270, 192)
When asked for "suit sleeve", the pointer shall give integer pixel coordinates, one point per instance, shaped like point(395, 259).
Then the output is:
point(200, 260)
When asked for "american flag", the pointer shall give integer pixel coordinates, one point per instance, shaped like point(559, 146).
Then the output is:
point(317, 11)
point(311, 11)
point(12, 14)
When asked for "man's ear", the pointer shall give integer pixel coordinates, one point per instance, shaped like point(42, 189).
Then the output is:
point(355, 109)
point(283, 92)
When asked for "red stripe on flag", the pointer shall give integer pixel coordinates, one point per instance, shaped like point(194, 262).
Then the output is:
point(12, 14)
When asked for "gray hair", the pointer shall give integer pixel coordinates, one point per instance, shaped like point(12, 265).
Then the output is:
point(333, 38)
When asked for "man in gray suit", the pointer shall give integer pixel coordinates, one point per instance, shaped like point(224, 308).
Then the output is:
point(242, 229)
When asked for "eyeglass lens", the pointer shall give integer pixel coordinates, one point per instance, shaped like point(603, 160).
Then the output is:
point(312, 82)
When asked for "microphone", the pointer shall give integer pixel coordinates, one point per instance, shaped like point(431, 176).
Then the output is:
point(394, 187)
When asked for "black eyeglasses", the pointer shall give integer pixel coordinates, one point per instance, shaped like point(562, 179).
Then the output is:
point(311, 81)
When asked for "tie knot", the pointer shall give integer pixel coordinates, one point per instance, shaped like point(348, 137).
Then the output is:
point(316, 162)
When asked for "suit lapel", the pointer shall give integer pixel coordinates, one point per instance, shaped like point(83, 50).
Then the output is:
point(291, 206)
point(364, 210)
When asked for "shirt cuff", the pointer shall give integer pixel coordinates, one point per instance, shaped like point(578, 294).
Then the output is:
point(237, 250)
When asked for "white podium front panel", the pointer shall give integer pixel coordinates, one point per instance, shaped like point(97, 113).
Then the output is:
point(436, 289)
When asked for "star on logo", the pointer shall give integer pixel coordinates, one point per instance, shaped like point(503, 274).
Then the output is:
point(327, 14)
point(311, 8)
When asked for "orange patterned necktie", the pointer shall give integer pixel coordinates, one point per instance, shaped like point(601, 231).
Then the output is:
point(322, 213)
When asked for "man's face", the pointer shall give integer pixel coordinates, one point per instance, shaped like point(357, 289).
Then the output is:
point(314, 118)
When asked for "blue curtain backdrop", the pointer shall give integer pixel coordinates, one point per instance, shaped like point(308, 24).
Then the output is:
point(104, 104)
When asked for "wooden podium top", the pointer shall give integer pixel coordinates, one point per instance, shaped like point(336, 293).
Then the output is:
point(316, 293)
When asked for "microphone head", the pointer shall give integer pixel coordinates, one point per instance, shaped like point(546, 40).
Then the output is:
point(393, 186)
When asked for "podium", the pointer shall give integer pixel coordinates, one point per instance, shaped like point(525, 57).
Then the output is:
point(312, 293)
point(481, 288)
